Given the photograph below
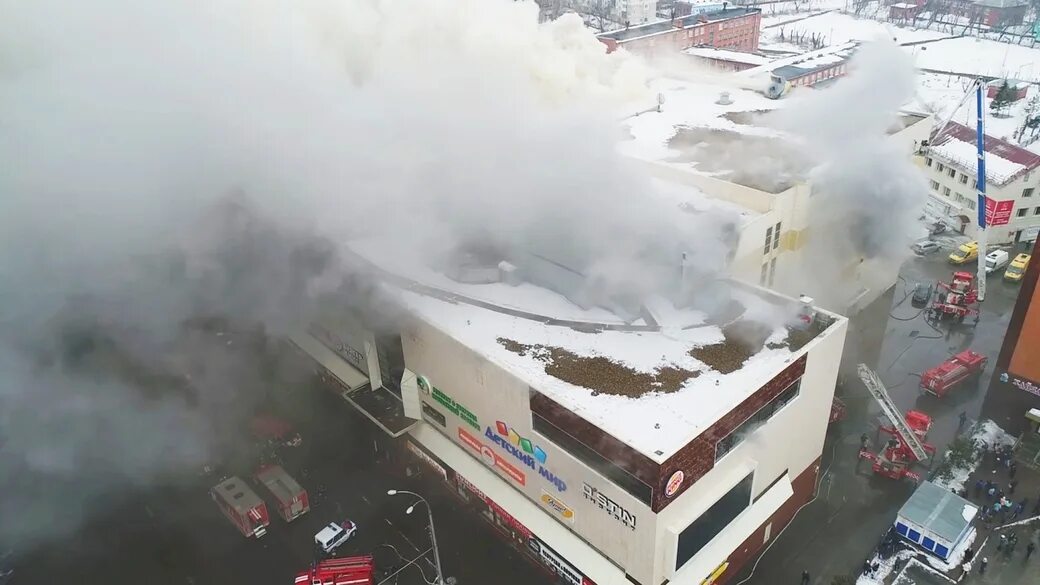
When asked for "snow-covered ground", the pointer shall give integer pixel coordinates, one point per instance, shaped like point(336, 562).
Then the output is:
point(837, 28)
point(986, 435)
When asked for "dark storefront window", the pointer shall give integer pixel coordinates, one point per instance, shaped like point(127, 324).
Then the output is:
point(432, 414)
point(590, 457)
point(713, 521)
point(737, 435)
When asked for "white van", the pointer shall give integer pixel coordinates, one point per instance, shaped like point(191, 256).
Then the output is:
point(996, 260)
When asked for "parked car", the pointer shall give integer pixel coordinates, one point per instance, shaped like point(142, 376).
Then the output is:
point(922, 294)
point(333, 535)
point(925, 247)
point(1017, 268)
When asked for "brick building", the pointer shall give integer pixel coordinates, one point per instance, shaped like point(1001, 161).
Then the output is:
point(724, 28)
point(612, 442)
point(994, 13)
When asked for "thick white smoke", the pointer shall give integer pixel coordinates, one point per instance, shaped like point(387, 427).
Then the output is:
point(867, 194)
point(163, 160)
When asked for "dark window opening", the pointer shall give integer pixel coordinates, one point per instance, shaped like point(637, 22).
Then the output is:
point(391, 361)
point(713, 521)
point(737, 435)
point(432, 414)
point(590, 457)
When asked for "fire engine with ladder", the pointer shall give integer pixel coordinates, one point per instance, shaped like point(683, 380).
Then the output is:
point(906, 446)
point(957, 299)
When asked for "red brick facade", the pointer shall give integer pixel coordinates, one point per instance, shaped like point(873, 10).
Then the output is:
point(739, 33)
point(694, 460)
point(698, 457)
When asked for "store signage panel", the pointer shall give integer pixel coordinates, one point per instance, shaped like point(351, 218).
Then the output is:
point(446, 401)
point(524, 451)
point(557, 506)
point(998, 213)
point(491, 458)
point(609, 506)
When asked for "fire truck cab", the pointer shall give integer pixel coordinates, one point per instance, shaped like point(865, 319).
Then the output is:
point(345, 571)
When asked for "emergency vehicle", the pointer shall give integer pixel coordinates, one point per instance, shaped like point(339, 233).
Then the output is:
point(943, 377)
point(291, 499)
point(242, 507)
point(1017, 269)
point(345, 571)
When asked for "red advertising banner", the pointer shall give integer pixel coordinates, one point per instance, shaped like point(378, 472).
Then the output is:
point(998, 212)
point(491, 458)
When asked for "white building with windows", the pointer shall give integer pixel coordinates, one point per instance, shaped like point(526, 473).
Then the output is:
point(1011, 176)
point(612, 446)
point(696, 137)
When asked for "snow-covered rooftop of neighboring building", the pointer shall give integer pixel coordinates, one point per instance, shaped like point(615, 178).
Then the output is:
point(727, 55)
point(806, 61)
point(1005, 162)
point(654, 384)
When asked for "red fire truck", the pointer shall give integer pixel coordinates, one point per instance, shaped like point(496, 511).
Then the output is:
point(291, 498)
point(242, 506)
point(345, 571)
point(940, 379)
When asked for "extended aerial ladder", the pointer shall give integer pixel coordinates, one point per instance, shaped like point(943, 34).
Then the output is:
point(906, 447)
point(976, 88)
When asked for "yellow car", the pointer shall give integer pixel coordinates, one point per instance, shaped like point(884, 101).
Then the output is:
point(967, 252)
point(1017, 268)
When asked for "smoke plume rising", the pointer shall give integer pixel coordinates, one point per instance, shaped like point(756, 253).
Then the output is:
point(163, 161)
point(867, 194)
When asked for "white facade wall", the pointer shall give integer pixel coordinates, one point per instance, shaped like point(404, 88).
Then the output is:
point(636, 11)
point(955, 197)
point(494, 395)
point(792, 440)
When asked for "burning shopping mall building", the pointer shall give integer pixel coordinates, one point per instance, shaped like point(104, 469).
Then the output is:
point(618, 441)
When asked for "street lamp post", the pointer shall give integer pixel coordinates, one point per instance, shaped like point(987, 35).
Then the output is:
point(433, 534)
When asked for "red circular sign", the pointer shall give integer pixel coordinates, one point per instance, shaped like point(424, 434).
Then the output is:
point(487, 455)
point(674, 483)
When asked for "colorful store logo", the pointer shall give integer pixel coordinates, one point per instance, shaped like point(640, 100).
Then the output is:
point(517, 441)
point(491, 458)
point(562, 510)
point(674, 483)
point(524, 451)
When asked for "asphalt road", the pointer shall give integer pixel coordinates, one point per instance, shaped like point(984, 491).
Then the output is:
point(854, 508)
point(174, 534)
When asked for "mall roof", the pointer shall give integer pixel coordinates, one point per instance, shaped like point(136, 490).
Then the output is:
point(654, 382)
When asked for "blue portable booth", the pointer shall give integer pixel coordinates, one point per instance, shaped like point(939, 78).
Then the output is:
point(935, 519)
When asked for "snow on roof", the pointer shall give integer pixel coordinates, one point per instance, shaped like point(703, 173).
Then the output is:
point(726, 55)
point(810, 60)
point(691, 104)
point(1004, 161)
point(679, 394)
point(902, 5)
point(652, 423)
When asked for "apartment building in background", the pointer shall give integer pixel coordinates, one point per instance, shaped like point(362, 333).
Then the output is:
point(614, 444)
point(1012, 180)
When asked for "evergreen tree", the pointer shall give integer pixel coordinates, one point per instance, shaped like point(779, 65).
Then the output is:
point(1005, 96)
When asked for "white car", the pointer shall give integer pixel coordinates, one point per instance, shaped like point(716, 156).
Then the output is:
point(331, 536)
